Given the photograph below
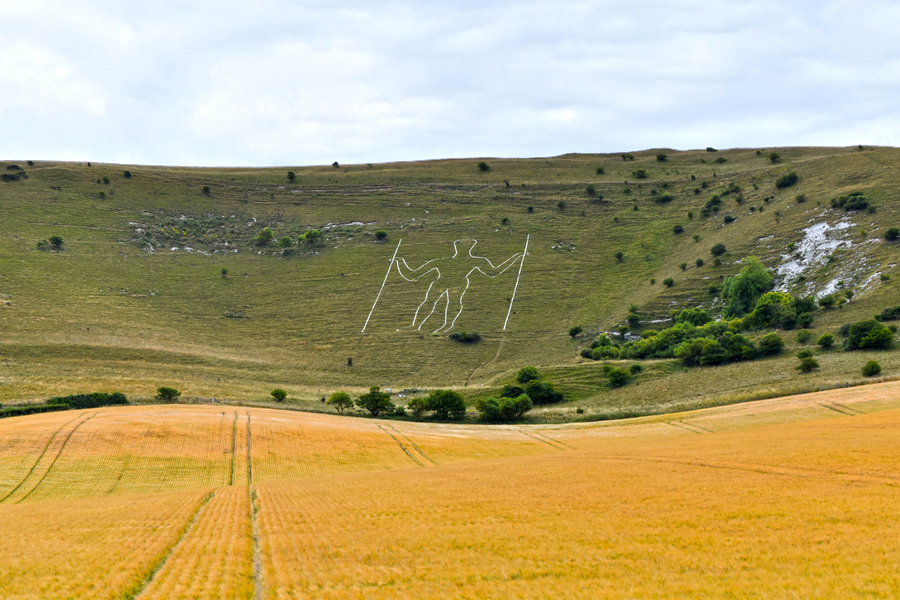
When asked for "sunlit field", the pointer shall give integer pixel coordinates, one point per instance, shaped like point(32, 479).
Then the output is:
point(780, 498)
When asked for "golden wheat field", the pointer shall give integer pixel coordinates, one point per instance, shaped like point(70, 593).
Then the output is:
point(786, 498)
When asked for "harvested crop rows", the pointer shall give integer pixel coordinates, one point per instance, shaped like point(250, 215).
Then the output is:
point(776, 498)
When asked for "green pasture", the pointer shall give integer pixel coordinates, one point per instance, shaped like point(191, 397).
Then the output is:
point(118, 309)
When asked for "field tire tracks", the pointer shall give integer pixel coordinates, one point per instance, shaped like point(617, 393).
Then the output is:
point(36, 462)
point(689, 427)
point(402, 447)
point(55, 458)
point(407, 438)
point(254, 532)
point(546, 440)
point(138, 588)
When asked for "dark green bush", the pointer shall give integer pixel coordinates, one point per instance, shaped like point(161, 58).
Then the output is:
point(826, 340)
point(504, 410)
point(889, 314)
point(853, 201)
point(871, 369)
point(575, 331)
point(465, 337)
point(446, 404)
point(381, 235)
point(678, 229)
point(542, 392)
point(892, 234)
point(376, 402)
point(786, 180)
point(718, 249)
point(868, 334)
point(661, 158)
point(639, 174)
point(20, 411)
point(618, 377)
point(167, 394)
point(807, 365)
point(94, 400)
point(527, 374)
point(279, 394)
point(483, 166)
point(771, 344)
point(668, 282)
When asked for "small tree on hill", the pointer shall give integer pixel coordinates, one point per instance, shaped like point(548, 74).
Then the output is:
point(291, 176)
point(892, 234)
point(446, 404)
point(340, 401)
point(575, 331)
point(279, 394)
point(376, 401)
point(263, 237)
point(418, 407)
point(56, 242)
point(381, 235)
point(527, 374)
point(167, 394)
point(483, 166)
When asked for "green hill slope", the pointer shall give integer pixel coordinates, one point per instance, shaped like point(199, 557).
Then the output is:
point(159, 281)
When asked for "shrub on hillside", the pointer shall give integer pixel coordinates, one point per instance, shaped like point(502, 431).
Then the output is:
point(718, 249)
point(639, 174)
point(575, 331)
point(465, 337)
point(483, 166)
point(771, 344)
point(892, 234)
point(678, 229)
point(542, 392)
point(826, 341)
point(167, 394)
point(95, 400)
point(889, 314)
point(381, 235)
point(618, 377)
point(786, 180)
point(807, 365)
point(263, 237)
point(527, 374)
point(504, 410)
point(279, 394)
point(853, 201)
point(871, 369)
point(868, 334)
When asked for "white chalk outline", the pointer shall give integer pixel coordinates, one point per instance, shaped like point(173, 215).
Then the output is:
point(521, 264)
point(382, 286)
point(446, 293)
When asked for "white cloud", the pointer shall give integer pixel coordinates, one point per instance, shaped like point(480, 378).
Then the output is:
point(279, 82)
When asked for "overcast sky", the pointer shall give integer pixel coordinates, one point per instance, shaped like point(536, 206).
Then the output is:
point(275, 82)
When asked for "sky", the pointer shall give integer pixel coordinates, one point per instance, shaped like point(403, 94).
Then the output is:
point(294, 83)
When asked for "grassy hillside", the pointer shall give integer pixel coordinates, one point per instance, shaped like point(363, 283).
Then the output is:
point(776, 498)
point(137, 297)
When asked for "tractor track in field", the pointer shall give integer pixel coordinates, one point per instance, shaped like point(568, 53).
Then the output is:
point(408, 439)
point(546, 440)
point(38, 460)
point(55, 458)
point(788, 471)
point(141, 586)
point(402, 447)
